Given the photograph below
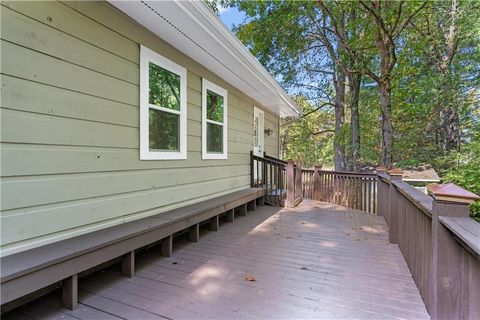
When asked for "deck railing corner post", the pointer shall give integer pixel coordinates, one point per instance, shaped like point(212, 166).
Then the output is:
point(449, 200)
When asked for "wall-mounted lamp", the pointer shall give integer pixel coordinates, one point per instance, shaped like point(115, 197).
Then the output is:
point(268, 132)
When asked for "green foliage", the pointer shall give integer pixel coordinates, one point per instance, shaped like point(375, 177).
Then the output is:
point(437, 70)
point(463, 169)
point(164, 87)
point(214, 106)
point(309, 138)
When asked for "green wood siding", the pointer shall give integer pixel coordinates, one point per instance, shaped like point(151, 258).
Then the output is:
point(70, 126)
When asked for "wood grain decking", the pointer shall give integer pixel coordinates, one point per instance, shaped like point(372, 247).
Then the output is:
point(314, 261)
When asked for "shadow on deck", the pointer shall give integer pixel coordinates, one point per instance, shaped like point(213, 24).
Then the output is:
point(315, 261)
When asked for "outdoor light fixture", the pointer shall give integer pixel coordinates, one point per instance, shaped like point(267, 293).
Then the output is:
point(268, 132)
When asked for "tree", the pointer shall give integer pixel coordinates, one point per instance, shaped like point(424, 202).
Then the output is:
point(387, 21)
point(310, 137)
point(291, 40)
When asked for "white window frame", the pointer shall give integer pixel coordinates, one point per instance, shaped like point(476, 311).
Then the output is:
point(207, 85)
point(146, 56)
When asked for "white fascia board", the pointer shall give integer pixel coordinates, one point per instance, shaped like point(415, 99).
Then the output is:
point(193, 29)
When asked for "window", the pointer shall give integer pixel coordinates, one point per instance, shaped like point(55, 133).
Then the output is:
point(214, 121)
point(163, 108)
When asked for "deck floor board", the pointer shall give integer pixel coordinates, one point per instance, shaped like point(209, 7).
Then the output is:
point(314, 261)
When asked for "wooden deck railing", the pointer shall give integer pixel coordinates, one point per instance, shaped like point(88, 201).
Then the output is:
point(269, 174)
point(348, 189)
point(440, 244)
point(285, 182)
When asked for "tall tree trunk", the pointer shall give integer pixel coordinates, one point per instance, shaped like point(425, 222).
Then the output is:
point(386, 48)
point(450, 119)
point(387, 127)
point(339, 143)
point(451, 128)
point(355, 81)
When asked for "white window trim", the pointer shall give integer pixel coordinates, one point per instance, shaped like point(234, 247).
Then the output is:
point(146, 56)
point(207, 85)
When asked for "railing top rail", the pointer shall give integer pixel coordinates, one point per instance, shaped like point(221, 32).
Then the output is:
point(384, 177)
point(270, 160)
point(466, 230)
point(266, 156)
point(348, 173)
point(418, 198)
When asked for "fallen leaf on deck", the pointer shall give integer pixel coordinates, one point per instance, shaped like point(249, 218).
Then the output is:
point(288, 237)
point(360, 228)
point(357, 239)
point(249, 277)
point(353, 228)
point(303, 268)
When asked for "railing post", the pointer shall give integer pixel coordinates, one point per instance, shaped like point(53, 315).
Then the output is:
point(394, 175)
point(298, 182)
point(316, 183)
point(290, 184)
point(381, 194)
point(252, 174)
point(448, 298)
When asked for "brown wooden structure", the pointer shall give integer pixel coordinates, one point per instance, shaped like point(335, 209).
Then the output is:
point(36, 269)
point(313, 261)
point(439, 242)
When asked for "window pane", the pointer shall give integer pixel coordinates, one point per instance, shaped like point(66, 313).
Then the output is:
point(164, 128)
point(164, 87)
point(214, 138)
point(214, 106)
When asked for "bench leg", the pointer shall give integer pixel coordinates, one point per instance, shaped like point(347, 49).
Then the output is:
point(214, 223)
point(261, 201)
point(194, 234)
point(166, 246)
point(70, 292)
point(230, 215)
point(128, 264)
point(242, 210)
point(252, 205)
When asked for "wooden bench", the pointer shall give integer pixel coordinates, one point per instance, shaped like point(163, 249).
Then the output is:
point(28, 271)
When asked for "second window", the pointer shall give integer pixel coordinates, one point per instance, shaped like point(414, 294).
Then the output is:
point(214, 121)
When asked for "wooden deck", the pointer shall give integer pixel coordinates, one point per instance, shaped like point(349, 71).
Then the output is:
point(315, 261)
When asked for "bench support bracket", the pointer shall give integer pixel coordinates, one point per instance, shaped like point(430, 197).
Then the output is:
point(194, 234)
point(252, 205)
point(70, 292)
point(128, 264)
point(166, 246)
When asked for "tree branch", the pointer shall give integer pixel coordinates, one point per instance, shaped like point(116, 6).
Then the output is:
point(409, 18)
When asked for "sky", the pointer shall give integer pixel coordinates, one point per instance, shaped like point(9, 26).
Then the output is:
point(231, 16)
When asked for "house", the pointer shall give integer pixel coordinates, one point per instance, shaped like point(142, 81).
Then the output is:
point(114, 112)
